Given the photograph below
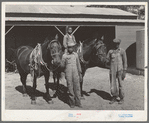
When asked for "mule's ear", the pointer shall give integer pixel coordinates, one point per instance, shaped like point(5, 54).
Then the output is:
point(56, 36)
point(102, 38)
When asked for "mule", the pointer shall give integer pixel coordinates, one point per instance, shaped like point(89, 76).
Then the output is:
point(93, 54)
point(50, 60)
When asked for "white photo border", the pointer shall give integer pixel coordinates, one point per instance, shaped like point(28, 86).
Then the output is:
point(62, 115)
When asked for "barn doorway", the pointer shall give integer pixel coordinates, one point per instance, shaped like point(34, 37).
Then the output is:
point(31, 35)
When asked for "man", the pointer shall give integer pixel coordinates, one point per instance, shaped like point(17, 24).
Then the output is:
point(68, 38)
point(118, 66)
point(71, 64)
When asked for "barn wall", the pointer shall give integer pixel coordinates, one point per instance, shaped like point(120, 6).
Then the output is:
point(127, 34)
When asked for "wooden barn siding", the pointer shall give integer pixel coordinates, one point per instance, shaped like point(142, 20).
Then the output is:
point(127, 34)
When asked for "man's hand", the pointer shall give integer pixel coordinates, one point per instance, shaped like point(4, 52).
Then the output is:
point(123, 74)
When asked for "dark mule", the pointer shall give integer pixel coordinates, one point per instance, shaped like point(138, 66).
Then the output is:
point(50, 60)
point(92, 52)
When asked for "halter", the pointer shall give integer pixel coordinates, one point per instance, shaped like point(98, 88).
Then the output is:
point(52, 54)
point(53, 69)
point(98, 46)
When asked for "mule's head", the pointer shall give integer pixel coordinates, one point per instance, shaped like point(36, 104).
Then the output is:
point(55, 50)
point(100, 52)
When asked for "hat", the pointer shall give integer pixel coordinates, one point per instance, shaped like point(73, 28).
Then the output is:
point(117, 40)
point(71, 44)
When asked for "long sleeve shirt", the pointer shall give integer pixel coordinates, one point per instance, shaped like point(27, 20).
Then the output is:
point(68, 39)
point(118, 59)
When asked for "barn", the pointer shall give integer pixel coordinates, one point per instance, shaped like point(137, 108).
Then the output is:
point(29, 24)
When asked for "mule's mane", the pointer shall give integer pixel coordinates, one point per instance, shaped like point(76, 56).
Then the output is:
point(87, 41)
point(47, 41)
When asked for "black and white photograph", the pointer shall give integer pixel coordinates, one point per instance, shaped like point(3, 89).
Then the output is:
point(74, 61)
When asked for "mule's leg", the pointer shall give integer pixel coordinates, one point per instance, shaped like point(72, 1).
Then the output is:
point(81, 86)
point(23, 80)
point(58, 77)
point(33, 98)
point(48, 98)
point(23, 77)
point(54, 77)
point(57, 84)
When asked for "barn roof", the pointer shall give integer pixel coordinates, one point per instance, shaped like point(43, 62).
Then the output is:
point(64, 14)
point(65, 9)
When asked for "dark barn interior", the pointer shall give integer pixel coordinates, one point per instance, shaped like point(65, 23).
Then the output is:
point(31, 35)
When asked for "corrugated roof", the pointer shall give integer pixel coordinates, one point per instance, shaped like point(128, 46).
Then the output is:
point(61, 9)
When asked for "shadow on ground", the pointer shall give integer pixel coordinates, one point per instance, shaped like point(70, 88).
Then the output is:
point(61, 93)
point(102, 94)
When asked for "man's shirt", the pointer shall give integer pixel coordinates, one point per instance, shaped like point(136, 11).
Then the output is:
point(118, 59)
point(68, 39)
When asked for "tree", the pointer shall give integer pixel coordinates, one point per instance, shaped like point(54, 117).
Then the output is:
point(135, 9)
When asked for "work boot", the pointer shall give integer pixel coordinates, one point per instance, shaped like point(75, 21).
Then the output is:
point(112, 100)
point(80, 106)
point(121, 101)
point(72, 106)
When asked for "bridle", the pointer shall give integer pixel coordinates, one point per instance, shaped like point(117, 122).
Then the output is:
point(80, 50)
point(97, 46)
point(53, 54)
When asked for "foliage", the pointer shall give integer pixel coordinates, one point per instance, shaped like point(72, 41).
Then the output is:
point(135, 9)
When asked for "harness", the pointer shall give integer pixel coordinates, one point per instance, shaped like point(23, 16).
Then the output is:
point(36, 60)
point(80, 53)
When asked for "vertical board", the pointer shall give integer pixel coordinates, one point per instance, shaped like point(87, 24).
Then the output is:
point(140, 49)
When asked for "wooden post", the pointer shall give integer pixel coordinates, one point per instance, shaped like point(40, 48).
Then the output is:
point(9, 30)
point(59, 30)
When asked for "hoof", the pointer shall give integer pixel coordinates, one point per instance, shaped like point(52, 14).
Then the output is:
point(50, 102)
point(25, 95)
point(88, 94)
point(33, 102)
point(82, 98)
point(54, 95)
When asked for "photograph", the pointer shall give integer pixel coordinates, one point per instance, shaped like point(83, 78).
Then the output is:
point(68, 61)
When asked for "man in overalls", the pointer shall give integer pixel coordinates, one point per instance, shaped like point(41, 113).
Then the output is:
point(68, 38)
point(118, 66)
point(73, 74)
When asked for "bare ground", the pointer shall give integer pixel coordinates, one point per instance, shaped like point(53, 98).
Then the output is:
point(96, 82)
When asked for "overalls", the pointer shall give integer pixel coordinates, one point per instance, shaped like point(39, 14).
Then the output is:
point(118, 63)
point(72, 70)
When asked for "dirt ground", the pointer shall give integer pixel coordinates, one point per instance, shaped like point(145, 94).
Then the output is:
point(96, 82)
